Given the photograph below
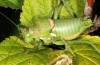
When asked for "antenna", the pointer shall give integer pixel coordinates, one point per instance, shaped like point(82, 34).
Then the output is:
point(10, 21)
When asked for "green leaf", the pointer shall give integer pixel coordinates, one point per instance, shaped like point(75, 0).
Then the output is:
point(33, 9)
point(93, 39)
point(14, 51)
point(85, 54)
point(14, 4)
point(72, 7)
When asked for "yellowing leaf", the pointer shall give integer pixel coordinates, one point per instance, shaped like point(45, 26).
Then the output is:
point(94, 39)
point(15, 52)
point(85, 52)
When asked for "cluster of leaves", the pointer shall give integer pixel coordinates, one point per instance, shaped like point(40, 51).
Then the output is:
point(14, 51)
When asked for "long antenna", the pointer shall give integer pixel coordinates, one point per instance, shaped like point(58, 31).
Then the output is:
point(10, 21)
point(16, 38)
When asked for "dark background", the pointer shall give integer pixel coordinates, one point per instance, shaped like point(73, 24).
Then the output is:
point(96, 11)
point(7, 28)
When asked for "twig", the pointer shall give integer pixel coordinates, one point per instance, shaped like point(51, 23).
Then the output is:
point(64, 59)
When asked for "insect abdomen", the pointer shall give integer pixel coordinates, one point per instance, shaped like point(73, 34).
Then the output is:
point(69, 28)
